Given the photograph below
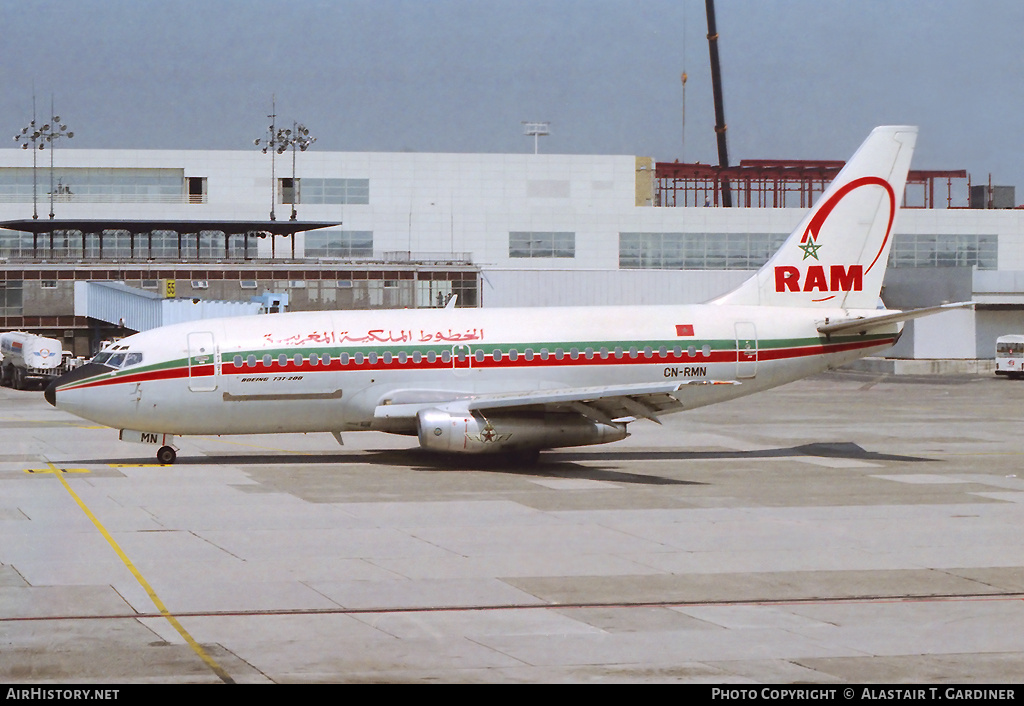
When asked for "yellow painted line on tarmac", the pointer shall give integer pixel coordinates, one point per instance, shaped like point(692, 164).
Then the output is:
point(196, 647)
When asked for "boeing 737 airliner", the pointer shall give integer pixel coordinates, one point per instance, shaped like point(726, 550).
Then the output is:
point(520, 380)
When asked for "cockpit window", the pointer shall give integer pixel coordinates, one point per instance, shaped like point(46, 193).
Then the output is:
point(114, 359)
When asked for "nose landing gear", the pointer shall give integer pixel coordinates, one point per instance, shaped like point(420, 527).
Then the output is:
point(166, 455)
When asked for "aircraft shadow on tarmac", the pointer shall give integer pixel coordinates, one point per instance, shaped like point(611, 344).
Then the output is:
point(844, 450)
point(555, 464)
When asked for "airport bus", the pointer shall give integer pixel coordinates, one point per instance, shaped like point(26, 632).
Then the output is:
point(1010, 356)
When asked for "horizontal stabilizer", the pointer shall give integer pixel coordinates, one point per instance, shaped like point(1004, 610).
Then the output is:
point(863, 324)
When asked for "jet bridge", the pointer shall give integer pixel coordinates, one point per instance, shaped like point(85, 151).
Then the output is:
point(141, 310)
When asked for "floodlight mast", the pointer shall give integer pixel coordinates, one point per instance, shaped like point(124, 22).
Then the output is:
point(272, 144)
point(39, 137)
point(278, 140)
point(536, 130)
point(300, 140)
point(31, 134)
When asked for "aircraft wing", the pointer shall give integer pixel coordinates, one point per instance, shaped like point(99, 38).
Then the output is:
point(601, 404)
point(863, 324)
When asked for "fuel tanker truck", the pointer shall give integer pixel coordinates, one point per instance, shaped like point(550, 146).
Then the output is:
point(30, 360)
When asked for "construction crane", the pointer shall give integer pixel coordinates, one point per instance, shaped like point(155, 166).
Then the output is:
point(716, 86)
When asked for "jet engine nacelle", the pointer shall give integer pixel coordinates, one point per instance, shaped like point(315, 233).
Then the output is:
point(475, 434)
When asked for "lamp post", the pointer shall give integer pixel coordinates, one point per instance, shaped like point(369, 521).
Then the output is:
point(56, 131)
point(272, 143)
point(536, 130)
point(278, 140)
point(39, 136)
point(297, 138)
point(30, 134)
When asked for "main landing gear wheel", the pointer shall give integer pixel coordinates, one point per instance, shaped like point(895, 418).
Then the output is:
point(166, 455)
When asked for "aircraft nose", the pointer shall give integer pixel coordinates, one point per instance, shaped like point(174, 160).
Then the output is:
point(50, 393)
point(86, 371)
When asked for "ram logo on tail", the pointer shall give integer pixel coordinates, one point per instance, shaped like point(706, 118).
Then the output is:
point(840, 278)
point(836, 256)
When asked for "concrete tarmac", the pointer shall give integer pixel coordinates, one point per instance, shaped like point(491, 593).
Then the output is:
point(849, 528)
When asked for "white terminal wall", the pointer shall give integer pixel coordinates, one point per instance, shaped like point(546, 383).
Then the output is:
point(467, 202)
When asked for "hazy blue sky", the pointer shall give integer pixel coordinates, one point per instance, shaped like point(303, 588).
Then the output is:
point(803, 79)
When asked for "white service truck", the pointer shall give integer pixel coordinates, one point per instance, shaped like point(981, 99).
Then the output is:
point(29, 359)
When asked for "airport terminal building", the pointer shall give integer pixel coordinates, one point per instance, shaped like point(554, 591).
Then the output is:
point(337, 230)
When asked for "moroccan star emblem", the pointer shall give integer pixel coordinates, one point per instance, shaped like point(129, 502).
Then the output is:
point(810, 249)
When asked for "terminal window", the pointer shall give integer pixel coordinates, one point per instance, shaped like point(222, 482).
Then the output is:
point(339, 243)
point(96, 185)
point(958, 250)
point(541, 244)
point(325, 191)
point(749, 251)
point(697, 251)
point(10, 298)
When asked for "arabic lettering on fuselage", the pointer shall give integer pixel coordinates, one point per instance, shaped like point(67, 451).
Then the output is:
point(375, 336)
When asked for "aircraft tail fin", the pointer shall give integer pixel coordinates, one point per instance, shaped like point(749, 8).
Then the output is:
point(837, 256)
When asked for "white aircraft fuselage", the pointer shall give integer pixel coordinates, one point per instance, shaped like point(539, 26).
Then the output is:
point(332, 371)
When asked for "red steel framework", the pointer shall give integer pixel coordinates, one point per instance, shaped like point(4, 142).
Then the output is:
point(781, 183)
